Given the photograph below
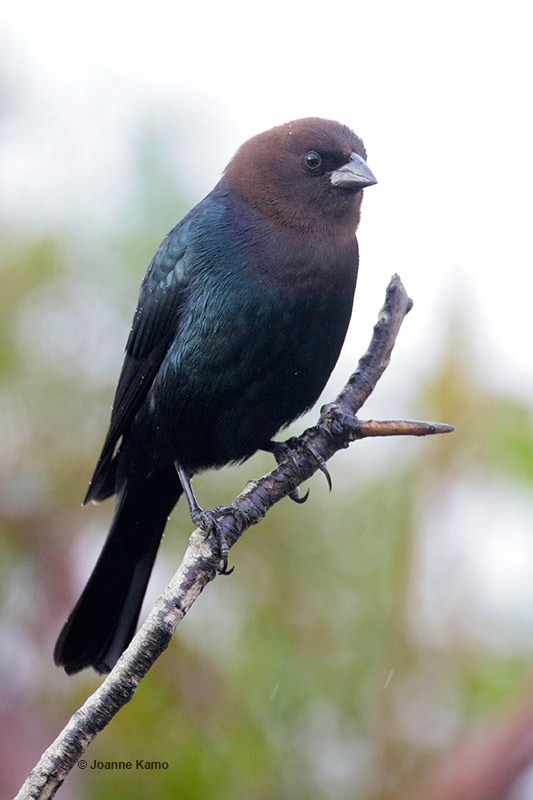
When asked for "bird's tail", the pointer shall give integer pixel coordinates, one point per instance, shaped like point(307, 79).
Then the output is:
point(104, 619)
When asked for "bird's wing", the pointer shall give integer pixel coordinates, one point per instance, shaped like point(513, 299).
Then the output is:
point(153, 329)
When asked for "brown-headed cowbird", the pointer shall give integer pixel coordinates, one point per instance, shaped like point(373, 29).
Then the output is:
point(241, 317)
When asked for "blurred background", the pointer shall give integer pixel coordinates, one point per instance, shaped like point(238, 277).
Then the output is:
point(377, 642)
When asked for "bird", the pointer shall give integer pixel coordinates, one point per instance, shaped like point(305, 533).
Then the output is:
point(241, 317)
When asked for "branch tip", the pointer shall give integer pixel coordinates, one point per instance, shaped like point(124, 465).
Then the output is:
point(397, 427)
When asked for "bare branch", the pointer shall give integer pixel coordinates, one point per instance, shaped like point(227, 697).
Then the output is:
point(336, 428)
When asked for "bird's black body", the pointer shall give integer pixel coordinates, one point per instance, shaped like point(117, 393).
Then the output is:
point(241, 318)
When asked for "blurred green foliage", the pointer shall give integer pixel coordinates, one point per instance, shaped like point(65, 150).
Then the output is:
point(316, 670)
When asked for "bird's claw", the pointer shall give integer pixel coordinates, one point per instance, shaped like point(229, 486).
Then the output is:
point(297, 498)
point(322, 465)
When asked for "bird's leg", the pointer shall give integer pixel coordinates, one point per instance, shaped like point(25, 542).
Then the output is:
point(284, 450)
point(207, 520)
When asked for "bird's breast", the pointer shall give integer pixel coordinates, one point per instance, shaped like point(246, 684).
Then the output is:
point(298, 261)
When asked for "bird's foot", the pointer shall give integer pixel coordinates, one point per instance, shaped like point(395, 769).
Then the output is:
point(284, 451)
point(209, 521)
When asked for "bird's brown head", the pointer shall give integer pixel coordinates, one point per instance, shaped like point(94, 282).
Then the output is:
point(307, 173)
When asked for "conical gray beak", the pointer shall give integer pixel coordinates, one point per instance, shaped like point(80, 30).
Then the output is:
point(356, 174)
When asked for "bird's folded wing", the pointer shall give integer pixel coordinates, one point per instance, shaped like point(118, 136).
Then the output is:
point(153, 329)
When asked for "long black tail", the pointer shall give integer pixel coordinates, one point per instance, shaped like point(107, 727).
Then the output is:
point(104, 619)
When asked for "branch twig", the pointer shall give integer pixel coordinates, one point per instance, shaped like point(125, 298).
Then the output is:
point(337, 426)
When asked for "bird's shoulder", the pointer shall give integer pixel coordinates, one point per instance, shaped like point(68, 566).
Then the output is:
point(163, 288)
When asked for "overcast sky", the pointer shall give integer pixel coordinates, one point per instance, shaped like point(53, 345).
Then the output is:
point(439, 91)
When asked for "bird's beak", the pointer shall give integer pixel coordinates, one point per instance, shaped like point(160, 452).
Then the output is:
point(356, 174)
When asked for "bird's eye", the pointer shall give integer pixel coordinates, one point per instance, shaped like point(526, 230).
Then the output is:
point(312, 160)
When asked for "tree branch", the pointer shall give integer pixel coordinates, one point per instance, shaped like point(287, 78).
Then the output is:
point(336, 428)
